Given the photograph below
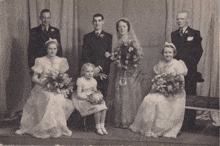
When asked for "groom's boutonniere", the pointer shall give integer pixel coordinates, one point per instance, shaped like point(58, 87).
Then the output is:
point(102, 35)
point(52, 30)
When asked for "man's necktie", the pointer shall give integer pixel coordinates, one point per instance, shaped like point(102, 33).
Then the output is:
point(45, 30)
point(97, 34)
point(181, 32)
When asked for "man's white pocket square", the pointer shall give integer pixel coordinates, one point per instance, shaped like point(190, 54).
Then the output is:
point(190, 38)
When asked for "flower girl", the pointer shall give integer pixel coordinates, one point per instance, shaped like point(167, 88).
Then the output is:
point(45, 113)
point(162, 111)
point(88, 100)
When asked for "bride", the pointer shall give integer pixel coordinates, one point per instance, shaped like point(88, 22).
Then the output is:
point(124, 90)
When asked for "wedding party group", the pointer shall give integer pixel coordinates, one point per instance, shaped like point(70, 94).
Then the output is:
point(111, 77)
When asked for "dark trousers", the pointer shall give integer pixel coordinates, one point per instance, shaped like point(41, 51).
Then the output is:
point(190, 87)
point(103, 87)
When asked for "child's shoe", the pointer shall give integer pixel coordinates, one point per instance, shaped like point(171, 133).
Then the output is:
point(99, 131)
point(103, 128)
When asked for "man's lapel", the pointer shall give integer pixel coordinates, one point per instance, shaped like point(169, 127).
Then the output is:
point(177, 34)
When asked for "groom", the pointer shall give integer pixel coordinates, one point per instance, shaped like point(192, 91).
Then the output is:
point(96, 49)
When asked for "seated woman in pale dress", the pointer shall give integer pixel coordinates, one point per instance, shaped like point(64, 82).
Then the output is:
point(158, 114)
point(45, 113)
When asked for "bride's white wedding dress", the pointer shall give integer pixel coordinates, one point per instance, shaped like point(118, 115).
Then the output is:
point(159, 115)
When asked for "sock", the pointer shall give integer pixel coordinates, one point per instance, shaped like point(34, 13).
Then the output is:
point(102, 125)
point(98, 126)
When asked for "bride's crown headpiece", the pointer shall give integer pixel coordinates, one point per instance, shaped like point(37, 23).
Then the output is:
point(51, 40)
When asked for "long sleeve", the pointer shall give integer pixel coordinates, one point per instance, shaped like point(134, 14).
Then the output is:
point(33, 44)
point(196, 47)
point(60, 51)
point(86, 50)
point(105, 63)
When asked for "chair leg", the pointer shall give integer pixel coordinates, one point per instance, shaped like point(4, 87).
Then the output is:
point(84, 122)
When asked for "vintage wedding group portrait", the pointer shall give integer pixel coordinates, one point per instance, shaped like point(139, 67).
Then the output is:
point(109, 87)
point(110, 76)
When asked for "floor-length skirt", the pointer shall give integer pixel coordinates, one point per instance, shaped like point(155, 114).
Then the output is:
point(160, 116)
point(126, 98)
point(45, 114)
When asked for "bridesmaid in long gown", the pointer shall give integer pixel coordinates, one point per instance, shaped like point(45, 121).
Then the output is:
point(126, 98)
point(45, 113)
point(159, 115)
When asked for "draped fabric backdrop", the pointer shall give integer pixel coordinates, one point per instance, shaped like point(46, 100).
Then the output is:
point(153, 21)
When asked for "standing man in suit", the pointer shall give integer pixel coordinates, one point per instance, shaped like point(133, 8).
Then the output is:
point(39, 35)
point(189, 49)
point(96, 49)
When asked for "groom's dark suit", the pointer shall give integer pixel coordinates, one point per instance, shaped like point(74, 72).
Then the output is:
point(37, 41)
point(93, 51)
point(189, 49)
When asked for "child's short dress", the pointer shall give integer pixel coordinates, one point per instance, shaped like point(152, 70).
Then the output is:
point(83, 106)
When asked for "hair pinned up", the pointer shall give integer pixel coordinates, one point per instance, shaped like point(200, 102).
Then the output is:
point(52, 41)
point(170, 45)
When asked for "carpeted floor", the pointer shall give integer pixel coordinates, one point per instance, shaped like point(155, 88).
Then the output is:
point(204, 134)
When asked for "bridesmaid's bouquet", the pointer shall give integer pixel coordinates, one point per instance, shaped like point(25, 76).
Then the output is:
point(59, 83)
point(167, 84)
point(126, 55)
point(96, 98)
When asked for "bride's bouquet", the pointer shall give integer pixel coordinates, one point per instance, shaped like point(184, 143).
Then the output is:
point(96, 97)
point(167, 84)
point(59, 83)
point(126, 55)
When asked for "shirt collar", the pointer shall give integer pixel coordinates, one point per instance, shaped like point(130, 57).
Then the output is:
point(99, 31)
point(43, 27)
point(184, 29)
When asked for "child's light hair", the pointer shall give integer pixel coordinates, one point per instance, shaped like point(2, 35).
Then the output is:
point(84, 67)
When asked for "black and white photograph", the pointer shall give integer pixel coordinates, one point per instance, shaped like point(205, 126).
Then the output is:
point(109, 72)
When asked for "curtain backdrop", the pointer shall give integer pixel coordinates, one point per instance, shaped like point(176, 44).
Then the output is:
point(204, 17)
point(14, 78)
point(153, 21)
